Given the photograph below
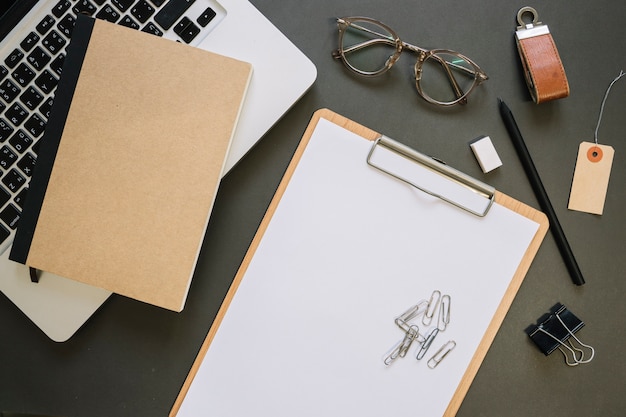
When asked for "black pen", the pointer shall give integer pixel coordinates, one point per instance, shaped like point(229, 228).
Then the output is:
point(540, 192)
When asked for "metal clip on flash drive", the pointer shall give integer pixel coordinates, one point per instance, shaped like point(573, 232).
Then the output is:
point(543, 69)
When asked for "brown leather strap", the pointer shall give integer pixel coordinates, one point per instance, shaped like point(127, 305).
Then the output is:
point(543, 69)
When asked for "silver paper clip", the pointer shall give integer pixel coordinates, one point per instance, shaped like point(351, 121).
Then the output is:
point(400, 349)
point(441, 354)
point(403, 320)
point(466, 182)
point(433, 302)
point(429, 341)
point(444, 313)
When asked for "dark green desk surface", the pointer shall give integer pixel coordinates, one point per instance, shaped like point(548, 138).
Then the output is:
point(131, 359)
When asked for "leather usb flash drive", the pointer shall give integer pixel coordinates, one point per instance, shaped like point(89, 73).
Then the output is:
point(543, 69)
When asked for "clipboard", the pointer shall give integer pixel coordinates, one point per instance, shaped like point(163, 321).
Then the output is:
point(304, 352)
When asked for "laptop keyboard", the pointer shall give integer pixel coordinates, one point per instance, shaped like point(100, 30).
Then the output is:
point(32, 64)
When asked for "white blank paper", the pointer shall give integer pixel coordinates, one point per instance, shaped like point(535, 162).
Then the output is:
point(347, 250)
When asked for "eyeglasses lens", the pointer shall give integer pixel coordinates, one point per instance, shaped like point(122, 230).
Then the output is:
point(367, 46)
point(446, 77)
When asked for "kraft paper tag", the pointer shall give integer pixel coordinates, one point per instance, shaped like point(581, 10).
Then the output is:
point(591, 178)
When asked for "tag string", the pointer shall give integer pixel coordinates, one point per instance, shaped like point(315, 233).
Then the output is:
point(595, 135)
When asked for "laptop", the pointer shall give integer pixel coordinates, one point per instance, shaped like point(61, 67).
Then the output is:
point(33, 36)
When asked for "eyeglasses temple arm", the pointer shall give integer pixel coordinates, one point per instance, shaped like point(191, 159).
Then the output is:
point(373, 32)
point(474, 74)
point(362, 45)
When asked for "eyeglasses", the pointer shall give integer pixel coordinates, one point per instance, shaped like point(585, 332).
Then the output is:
point(370, 48)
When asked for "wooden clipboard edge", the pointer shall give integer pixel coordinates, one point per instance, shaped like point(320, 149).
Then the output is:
point(369, 134)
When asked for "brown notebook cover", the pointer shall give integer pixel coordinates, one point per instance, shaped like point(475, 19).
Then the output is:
point(130, 162)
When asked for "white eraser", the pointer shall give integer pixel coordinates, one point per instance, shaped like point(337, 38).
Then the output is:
point(485, 153)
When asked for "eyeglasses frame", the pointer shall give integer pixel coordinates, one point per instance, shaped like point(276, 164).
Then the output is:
point(422, 55)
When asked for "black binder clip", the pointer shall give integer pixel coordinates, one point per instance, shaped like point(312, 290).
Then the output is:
point(555, 329)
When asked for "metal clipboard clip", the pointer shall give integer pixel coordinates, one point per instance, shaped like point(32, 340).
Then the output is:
point(453, 186)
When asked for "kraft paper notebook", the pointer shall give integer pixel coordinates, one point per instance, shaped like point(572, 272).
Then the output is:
point(130, 162)
point(348, 243)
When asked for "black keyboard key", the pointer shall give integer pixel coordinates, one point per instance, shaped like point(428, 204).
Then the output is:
point(8, 90)
point(38, 58)
point(129, 23)
point(46, 81)
point(2, 107)
point(54, 42)
point(31, 98)
point(66, 25)
point(5, 130)
point(84, 7)
point(45, 108)
point(108, 13)
point(46, 23)
point(61, 7)
point(20, 141)
point(4, 233)
point(7, 157)
point(20, 197)
point(142, 11)
point(173, 10)
point(158, 3)
point(122, 5)
point(29, 41)
point(23, 74)
point(206, 17)
point(14, 58)
point(10, 216)
point(27, 163)
point(186, 29)
point(35, 125)
point(153, 29)
point(4, 196)
point(3, 72)
point(57, 64)
point(13, 180)
point(16, 114)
